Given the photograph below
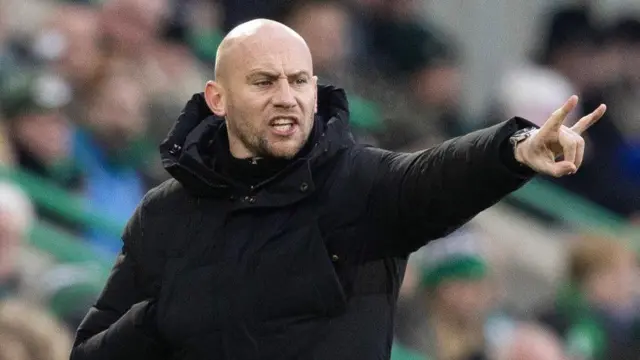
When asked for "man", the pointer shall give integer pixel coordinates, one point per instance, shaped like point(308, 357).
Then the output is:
point(279, 238)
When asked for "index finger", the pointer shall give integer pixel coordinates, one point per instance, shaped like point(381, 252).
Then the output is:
point(554, 123)
point(586, 121)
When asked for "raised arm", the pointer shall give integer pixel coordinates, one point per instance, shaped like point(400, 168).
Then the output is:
point(427, 194)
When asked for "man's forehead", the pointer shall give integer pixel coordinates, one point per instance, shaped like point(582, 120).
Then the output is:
point(263, 45)
point(272, 56)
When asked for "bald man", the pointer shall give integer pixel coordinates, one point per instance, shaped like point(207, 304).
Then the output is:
point(279, 237)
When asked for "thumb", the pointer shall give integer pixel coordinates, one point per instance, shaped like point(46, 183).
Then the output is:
point(559, 169)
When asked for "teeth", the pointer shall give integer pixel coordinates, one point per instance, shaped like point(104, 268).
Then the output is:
point(282, 122)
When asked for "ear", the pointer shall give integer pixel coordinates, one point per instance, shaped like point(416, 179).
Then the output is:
point(314, 82)
point(215, 97)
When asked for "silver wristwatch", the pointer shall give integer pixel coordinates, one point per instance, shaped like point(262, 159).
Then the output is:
point(521, 135)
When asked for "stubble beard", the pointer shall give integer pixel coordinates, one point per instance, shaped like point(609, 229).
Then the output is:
point(258, 144)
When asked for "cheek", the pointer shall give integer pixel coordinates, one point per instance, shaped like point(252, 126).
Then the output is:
point(308, 107)
point(243, 116)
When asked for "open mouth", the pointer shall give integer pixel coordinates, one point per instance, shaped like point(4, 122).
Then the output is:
point(284, 125)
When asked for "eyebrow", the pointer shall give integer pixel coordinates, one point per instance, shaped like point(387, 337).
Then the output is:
point(272, 74)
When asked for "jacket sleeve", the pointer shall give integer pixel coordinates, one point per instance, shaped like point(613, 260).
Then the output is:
point(121, 323)
point(428, 194)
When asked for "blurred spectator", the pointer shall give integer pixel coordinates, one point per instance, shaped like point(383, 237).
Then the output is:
point(150, 36)
point(421, 69)
point(16, 217)
point(326, 26)
point(202, 18)
point(531, 342)
point(32, 103)
point(591, 59)
point(138, 31)
point(408, 47)
point(533, 92)
point(454, 302)
point(239, 11)
point(573, 47)
point(71, 41)
point(69, 291)
point(625, 94)
point(598, 313)
point(175, 72)
point(112, 150)
point(31, 330)
point(131, 27)
point(40, 135)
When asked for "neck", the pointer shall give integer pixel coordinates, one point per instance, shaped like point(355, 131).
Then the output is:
point(243, 166)
point(238, 150)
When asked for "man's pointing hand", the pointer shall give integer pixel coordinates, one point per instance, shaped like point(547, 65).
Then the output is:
point(555, 149)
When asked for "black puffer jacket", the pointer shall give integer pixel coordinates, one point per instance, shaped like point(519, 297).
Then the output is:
point(305, 265)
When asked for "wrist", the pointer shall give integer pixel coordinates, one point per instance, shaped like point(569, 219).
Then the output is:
point(519, 142)
point(518, 153)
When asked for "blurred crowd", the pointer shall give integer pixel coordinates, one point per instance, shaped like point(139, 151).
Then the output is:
point(452, 305)
point(600, 61)
point(89, 88)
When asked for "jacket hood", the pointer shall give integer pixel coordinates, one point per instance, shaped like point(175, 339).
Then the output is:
point(186, 151)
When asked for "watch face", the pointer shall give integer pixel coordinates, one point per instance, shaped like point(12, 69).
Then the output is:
point(520, 135)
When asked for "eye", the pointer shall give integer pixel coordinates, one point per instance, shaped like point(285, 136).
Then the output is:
point(263, 83)
point(302, 81)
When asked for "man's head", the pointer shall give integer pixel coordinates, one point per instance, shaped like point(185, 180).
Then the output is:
point(265, 89)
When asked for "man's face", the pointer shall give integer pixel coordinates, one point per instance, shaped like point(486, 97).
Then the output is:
point(270, 96)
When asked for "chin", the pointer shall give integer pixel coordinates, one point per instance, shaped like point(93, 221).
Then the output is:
point(285, 151)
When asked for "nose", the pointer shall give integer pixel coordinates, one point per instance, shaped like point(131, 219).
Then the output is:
point(284, 95)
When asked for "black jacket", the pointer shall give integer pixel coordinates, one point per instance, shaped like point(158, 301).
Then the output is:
point(305, 265)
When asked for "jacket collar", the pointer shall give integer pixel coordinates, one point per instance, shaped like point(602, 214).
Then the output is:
point(186, 150)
